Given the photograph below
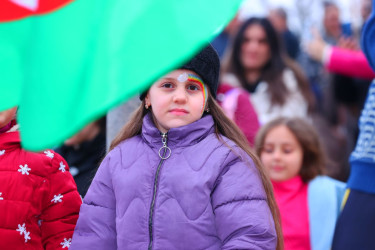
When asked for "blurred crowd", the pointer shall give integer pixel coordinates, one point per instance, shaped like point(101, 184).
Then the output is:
point(285, 77)
point(305, 98)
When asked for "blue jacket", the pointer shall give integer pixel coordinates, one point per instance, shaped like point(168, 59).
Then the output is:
point(324, 201)
point(362, 175)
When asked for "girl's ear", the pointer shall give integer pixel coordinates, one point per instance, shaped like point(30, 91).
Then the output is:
point(206, 108)
point(147, 101)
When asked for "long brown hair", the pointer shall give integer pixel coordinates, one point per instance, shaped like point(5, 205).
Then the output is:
point(272, 71)
point(223, 127)
point(314, 158)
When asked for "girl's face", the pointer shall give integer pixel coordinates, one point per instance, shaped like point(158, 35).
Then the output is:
point(177, 99)
point(6, 116)
point(282, 154)
point(255, 51)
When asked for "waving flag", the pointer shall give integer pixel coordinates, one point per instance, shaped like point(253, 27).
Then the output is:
point(68, 67)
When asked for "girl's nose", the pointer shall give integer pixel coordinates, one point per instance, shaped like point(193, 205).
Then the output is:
point(180, 95)
point(276, 154)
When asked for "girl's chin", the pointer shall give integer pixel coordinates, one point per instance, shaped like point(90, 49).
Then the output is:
point(278, 178)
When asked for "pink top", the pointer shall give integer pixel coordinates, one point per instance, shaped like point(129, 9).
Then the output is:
point(349, 63)
point(244, 114)
point(291, 197)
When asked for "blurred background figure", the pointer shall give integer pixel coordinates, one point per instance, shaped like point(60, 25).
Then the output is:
point(340, 60)
point(256, 63)
point(345, 89)
point(309, 202)
point(333, 29)
point(355, 227)
point(330, 99)
point(366, 7)
point(290, 41)
point(221, 42)
point(117, 117)
point(84, 152)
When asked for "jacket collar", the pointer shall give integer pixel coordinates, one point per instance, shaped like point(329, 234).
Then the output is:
point(182, 136)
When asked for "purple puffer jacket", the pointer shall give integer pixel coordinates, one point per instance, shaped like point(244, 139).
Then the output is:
point(204, 196)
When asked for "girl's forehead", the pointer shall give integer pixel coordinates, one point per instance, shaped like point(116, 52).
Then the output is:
point(181, 75)
point(280, 132)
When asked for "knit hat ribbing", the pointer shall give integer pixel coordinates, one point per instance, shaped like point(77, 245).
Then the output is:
point(207, 65)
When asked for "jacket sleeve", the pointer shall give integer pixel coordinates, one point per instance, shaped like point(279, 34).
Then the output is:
point(242, 215)
point(350, 63)
point(96, 226)
point(61, 206)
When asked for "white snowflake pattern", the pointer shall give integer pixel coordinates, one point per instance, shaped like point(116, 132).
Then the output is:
point(66, 243)
point(27, 236)
point(49, 154)
point(2, 152)
point(57, 198)
point(24, 169)
point(22, 230)
point(1, 198)
point(62, 167)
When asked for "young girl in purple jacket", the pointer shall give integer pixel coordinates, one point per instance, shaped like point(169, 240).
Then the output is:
point(180, 175)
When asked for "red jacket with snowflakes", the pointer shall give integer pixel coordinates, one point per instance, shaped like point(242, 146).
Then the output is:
point(39, 202)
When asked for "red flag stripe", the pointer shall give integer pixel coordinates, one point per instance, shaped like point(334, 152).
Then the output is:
point(10, 11)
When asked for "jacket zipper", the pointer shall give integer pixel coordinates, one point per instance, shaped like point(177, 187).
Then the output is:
point(164, 153)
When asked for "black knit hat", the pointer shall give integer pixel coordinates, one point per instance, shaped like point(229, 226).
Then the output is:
point(207, 65)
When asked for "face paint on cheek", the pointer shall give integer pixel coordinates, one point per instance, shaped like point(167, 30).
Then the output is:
point(197, 79)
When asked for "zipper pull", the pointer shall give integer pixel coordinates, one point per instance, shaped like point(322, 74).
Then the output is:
point(167, 150)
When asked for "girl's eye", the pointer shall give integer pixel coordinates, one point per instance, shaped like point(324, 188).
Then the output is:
point(263, 41)
point(167, 85)
point(246, 40)
point(287, 150)
point(268, 149)
point(193, 87)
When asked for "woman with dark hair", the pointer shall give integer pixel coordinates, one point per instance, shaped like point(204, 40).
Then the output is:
point(256, 63)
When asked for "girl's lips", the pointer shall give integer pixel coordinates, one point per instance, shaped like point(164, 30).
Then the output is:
point(277, 168)
point(178, 111)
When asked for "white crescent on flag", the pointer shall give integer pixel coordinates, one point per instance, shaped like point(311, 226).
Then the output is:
point(27, 4)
